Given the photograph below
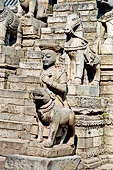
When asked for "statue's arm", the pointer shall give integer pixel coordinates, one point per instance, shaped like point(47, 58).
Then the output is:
point(59, 85)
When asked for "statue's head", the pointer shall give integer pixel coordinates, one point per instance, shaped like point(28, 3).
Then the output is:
point(49, 58)
point(50, 53)
point(73, 20)
point(2, 5)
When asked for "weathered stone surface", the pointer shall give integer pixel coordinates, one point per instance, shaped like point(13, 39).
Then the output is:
point(36, 149)
point(83, 90)
point(38, 163)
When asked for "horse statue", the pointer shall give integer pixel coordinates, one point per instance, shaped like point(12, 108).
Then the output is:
point(80, 56)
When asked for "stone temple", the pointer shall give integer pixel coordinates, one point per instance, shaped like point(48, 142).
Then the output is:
point(56, 85)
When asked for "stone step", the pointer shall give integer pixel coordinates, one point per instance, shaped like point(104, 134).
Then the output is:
point(80, 6)
point(2, 162)
point(106, 167)
point(15, 94)
point(12, 146)
point(15, 129)
point(26, 83)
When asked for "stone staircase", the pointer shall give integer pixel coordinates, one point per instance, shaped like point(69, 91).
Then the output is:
point(56, 22)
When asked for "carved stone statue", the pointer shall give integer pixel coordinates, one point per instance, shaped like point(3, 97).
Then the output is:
point(9, 24)
point(30, 8)
point(49, 102)
point(104, 26)
point(80, 55)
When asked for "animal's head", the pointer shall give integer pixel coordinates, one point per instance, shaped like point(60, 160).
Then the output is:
point(41, 96)
point(73, 20)
point(2, 5)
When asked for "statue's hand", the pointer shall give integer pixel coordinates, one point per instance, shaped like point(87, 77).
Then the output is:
point(47, 80)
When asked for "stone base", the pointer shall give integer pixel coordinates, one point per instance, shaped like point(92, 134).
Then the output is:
point(83, 90)
point(36, 149)
point(38, 163)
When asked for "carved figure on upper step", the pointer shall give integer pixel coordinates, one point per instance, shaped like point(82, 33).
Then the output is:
point(49, 100)
point(9, 26)
point(104, 27)
point(81, 57)
point(31, 8)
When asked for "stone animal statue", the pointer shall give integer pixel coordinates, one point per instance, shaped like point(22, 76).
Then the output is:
point(53, 115)
point(81, 57)
point(9, 25)
point(104, 26)
point(31, 8)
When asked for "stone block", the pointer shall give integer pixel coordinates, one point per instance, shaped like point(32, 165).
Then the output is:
point(38, 163)
point(84, 143)
point(86, 102)
point(25, 65)
point(89, 132)
point(108, 131)
point(83, 90)
point(36, 149)
point(98, 141)
point(14, 94)
point(34, 55)
point(26, 72)
point(7, 146)
point(108, 140)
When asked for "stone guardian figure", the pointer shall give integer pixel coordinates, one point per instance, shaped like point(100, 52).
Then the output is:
point(81, 57)
point(9, 24)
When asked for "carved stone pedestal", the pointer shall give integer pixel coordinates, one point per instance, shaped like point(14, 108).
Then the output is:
point(31, 30)
point(36, 149)
point(41, 163)
point(83, 90)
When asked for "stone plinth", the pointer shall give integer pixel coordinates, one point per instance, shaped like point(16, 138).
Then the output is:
point(36, 149)
point(31, 30)
point(38, 163)
point(83, 90)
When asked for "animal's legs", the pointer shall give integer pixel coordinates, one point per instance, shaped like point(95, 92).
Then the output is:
point(52, 134)
point(3, 28)
point(64, 135)
point(40, 133)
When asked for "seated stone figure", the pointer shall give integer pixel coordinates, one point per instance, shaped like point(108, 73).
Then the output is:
point(9, 24)
point(49, 100)
point(81, 57)
point(30, 8)
point(104, 26)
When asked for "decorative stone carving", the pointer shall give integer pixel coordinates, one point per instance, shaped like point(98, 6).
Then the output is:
point(49, 102)
point(81, 57)
point(30, 8)
point(104, 26)
point(9, 24)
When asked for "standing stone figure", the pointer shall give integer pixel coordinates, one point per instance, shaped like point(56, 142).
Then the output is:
point(30, 8)
point(80, 55)
point(49, 100)
point(9, 25)
point(104, 26)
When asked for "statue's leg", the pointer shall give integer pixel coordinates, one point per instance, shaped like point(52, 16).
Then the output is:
point(3, 30)
point(96, 79)
point(19, 36)
point(79, 67)
point(20, 10)
point(101, 29)
point(52, 134)
point(40, 132)
point(32, 6)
